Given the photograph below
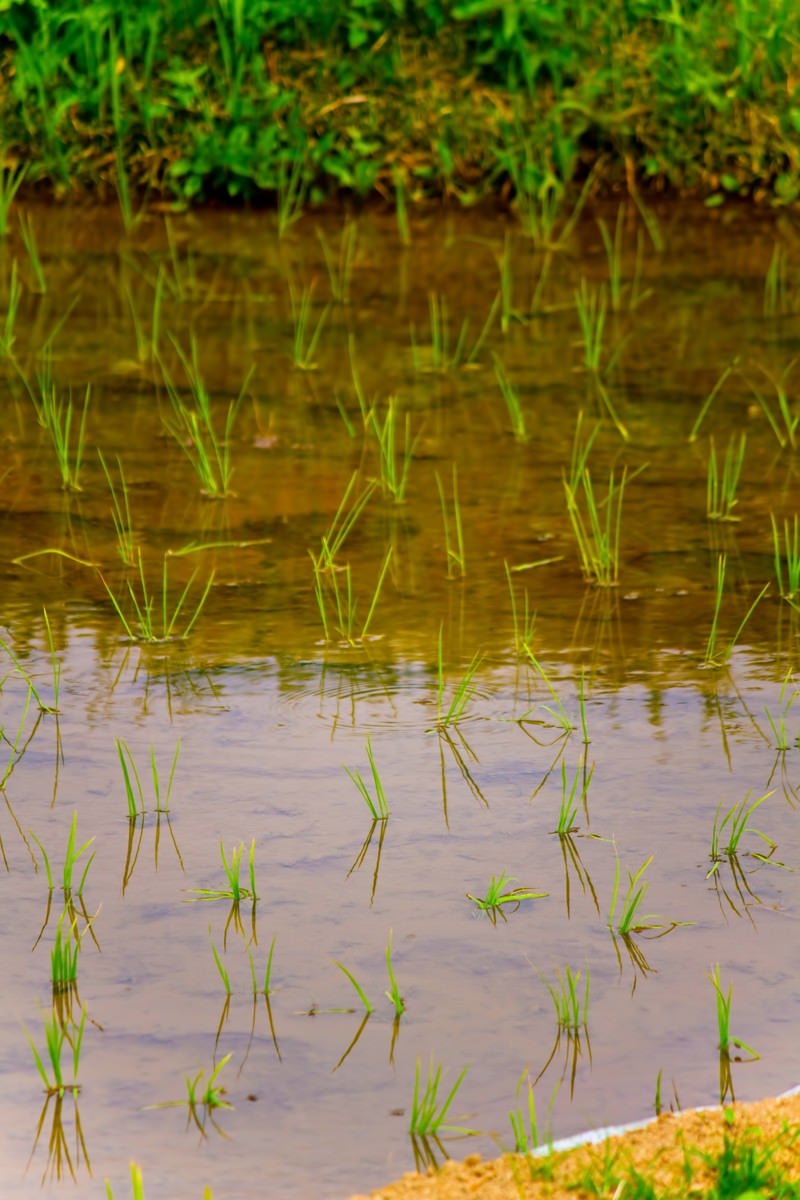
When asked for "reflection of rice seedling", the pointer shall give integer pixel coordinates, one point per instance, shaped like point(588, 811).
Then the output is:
point(787, 556)
point(721, 488)
point(144, 626)
point(393, 993)
point(64, 957)
point(57, 1037)
point(133, 785)
point(266, 988)
point(712, 657)
point(454, 545)
point(428, 1112)
point(499, 896)
point(736, 821)
point(234, 891)
point(379, 807)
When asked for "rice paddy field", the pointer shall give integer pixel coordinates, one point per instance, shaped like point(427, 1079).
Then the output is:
point(398, 653)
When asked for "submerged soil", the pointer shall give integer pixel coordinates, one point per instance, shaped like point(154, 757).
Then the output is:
point(670, 1152)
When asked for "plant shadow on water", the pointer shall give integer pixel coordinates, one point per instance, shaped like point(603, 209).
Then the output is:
point(405, 620)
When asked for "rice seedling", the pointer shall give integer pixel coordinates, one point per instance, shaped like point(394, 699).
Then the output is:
point(235, 890)
point(27, 677)
point(360, 858)
point(709, 400)
point(379, 807)
point(137, 1185)
point(524, 622)
point(714, 656)
point(614, 254)
point(71, 855)
point(722, 484)
point(778, 723)
point(782, 419)
point(464, 690)
point(202, 1098)
point(368, 1008)
point(192, 427)
point(340, 262)
point(555, 710)
point(524, 1125)
point(64, 958)
point(223, 974)
point(569, 1000)
point(736, 821)
point(337, 604)
point(14, 295)
point(787, 555)
point(394, 461)
point(11, 180)
point(582, 708)
point(597, 524)
point(291, 193)
point(726, 1038)
point(120, 514)
point(57, 1036)
point(591, 305)
point(631, 920)
point(515, 411)
point(144, 624)
point(454, 542)
point(571, 797)
point(134, 792)
point(60, 417)
point(305, 339)
point(393, 993)
point(500, 896)
point(31, 246)
point(341, 525)
point(781, 289)
point(428, 1112)
point(442, 353)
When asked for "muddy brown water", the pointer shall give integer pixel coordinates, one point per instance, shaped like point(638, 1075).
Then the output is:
point(268, 713)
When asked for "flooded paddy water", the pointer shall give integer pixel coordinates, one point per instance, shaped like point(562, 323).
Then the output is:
point(499, 690)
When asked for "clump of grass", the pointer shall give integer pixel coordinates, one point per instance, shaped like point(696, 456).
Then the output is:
point(71, 855)
point(395, 449)
point(516, 413)
point(499, 896)
point(443, 353)
point(148, 606)
point(716, 656)
point(736, 822)
point(726, 1038)
point(597, 524)
point(571, 797)
point(570, 1000)
point(631, 919)
point(428, 1112)
point(524, 1125)
point(67, 429)
point(379, 807)
point(203, 1096)
point(336, 602)
point(58, 1036)
point(722, 484)
point(306, 339)
point(235, 890)
point(134, 791)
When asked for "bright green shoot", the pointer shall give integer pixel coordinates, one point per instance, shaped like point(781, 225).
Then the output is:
point(734, 825)
point(631, 920)
point(57, 1036)
point(306, 338)
point(453, 537)
point(144, 624)
point(787, 556)
point(716, 656)
point(726, 1039)
point(341, 525)
point(235, 891)
point(524, 1126)
point(336, 602)
point(442, 353)
point(597, 524)
point(499, 896)
point(137, 1185)
point(368, 1008)
point(464, 690)
point(428, 1112)
point(722, 483)
point(223, 974)
point(28, 234)
point(25, 675)
point(571, 796)
point(570, 999)
point(555, 710)
point(709, 400)
point(121, 514)
point(134, 791)
point(783, 420)
point(393, 993)
point(379, 807)
point(591, 304)
point(67, 432)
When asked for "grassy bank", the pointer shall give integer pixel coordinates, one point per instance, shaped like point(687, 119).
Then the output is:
point(303, 99)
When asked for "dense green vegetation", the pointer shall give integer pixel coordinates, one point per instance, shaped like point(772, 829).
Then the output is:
point(456, 97)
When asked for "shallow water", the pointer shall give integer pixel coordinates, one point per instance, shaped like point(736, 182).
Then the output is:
point(268, 713)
